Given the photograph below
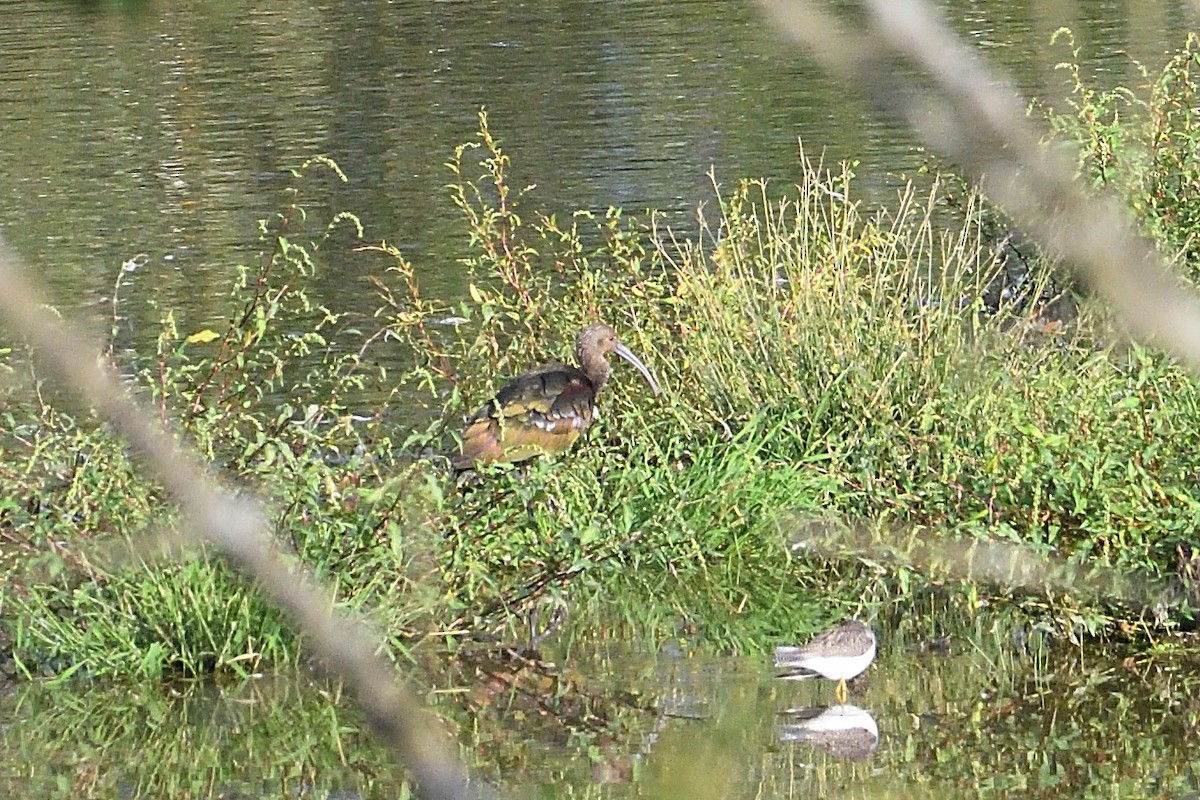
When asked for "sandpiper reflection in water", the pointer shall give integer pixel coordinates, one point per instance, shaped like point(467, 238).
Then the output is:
point(843, 731)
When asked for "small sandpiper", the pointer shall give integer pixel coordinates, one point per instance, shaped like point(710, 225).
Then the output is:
point(839, 654)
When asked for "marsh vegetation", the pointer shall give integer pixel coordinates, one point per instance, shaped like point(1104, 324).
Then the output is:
point(870, 410)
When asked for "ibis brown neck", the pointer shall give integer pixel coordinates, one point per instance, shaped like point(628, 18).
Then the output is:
point(594, 363)
point(594, 346)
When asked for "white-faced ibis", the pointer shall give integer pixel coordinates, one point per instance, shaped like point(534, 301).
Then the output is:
point(838, 654)
point(544, 410)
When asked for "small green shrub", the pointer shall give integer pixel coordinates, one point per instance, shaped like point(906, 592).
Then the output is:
point(1144, 145)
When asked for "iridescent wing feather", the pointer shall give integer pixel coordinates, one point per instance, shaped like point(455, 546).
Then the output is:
point(542, 411)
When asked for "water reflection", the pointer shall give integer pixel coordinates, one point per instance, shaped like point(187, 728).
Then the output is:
point(252, 739)
point(843, 731)
point(608, 718)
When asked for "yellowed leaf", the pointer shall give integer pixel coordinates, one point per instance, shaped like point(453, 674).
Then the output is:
point(203, 336)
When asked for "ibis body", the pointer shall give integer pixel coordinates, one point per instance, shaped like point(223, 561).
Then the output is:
point(546, 409)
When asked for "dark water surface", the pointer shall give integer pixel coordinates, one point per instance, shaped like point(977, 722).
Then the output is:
point(1000, 714)
point(167, 129)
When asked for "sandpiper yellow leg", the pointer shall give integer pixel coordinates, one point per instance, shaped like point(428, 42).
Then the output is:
point(840, 692)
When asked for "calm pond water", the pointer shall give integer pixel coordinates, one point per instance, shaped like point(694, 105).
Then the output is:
point(1000, 712)
point(166, 129)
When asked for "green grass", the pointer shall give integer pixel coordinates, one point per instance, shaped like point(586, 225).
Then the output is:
point(830, 381)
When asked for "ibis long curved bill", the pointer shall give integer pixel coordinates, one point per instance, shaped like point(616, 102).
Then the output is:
point(627, 354)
